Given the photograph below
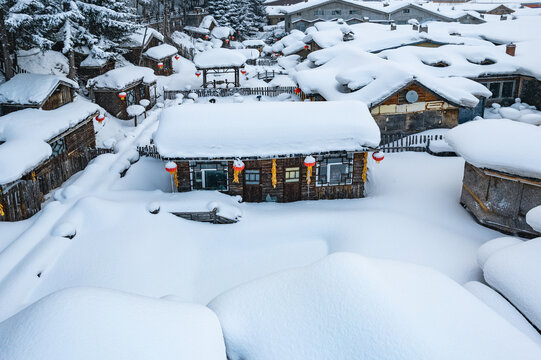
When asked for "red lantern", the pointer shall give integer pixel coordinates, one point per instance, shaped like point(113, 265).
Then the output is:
point(227, 41)
point(122, 95)
point(238, 166)
point(198, 73)
point(377, 156)
point(171, 167)
point(309, 162)
point(243, 72)
point(177, 57)
point(160, 65)
point(306, 47)
point(232, 38)
point(297, 91)
point(206, 37)
point(100, 118)
point(276, 54)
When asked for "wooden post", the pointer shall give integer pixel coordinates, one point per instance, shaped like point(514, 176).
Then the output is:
point(237, 77)
point(204, 78)
point(8, 71)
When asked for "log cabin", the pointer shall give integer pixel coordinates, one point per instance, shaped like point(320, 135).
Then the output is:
point(502, 174)
point(39, 150)
point(292, 152)
point(160, 59)
point(47, 92)
point(122, 87)
point(138, 42)
point(91, 67)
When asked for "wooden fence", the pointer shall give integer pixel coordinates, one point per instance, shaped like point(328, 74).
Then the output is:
point(149, 150)
point(269, 75)
point(400, 142)
point(221, 92)
point(206, 216)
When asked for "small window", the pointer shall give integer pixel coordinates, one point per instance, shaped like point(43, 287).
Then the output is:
point(251, 177)
point(130, 97)
point(495, 89)
point(58, 147)
point(292, 174)
point(336, 12)
point(335, 171)
point(319, 12)
point(210, 176)
point(507, 89)
point(406, 11)
point(353, 12)
point(142, 92)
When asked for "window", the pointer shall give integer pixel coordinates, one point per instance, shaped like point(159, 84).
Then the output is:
point(336, 12)
point(319, 12)
point(353, 12)
point(130, 97)
point(507, 89)
point(335, 170)
point(209, 176)
point(142, 92)
point(500, 89)
point(251, 177)
point(58, 147)
point(292, 174)
point(495, 89)
point(406, 11)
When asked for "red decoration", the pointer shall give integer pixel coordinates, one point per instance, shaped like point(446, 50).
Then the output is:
point(309, 164)
point(306, 47)
point(177, 57)
point(378, 156)
point(238, 168)
point(232, 38)
point(297, 91)
point(122, 95)
point(171, 167)
point(227, 41)
point(198, 73)
point(243, 72)
point(206, 37)
point(276, 54)
point(100, 118)
point(160, 65)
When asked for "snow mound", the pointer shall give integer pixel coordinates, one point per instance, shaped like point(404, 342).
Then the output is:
point(490, 247)
point(351, 307)
point(533, 218)
point(219, 58)
point(91, 323)
point(499, 144)
point(515, 272)
point(37, 62)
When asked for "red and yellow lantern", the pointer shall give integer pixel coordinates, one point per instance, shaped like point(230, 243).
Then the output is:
point(198, 73)
point(206, 37)
point(238, 166)
point(232, 38)
point(100, 118)
point(277, 54)
point(122, 95)
point(297, 91)
point(227, 41)
point(160, 65)
point(377, 156)
point(306, 47)
point(177, 57)
point(171, 167)
point(243, 72)
point(309, 162)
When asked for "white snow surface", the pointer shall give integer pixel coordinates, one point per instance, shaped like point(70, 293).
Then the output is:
point(122, 77)
point(348, 306)
point(93, 323)
point(222, 32)
point(499, 144)
point(533, 218)
point(161, 51)
point(93, 61)
point(489, 248)
point(282, 128)
point(136, 39)
point(27, 131)
point(514, 271)
point(31, 89)
point(219, 58)
point(48, 62)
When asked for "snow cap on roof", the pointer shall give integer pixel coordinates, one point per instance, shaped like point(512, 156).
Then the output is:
point(135, 40)
point(499, 144)
point(119, 78)
point(207, 22)
point(219, 57)
point(282, 128)
point(26, 133)
point(222, 32)
point(93, 61)
point(161, 51)
point(31, 89)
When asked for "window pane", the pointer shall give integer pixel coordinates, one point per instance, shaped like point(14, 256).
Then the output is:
point(251, 177)
point(292, 174)
point(507, 89)
point(495, 88)
point(338, 173)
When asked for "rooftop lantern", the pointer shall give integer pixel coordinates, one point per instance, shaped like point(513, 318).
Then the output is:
point(238, 166)
point(122, 95)
point(198, 73)
point(298, 91)
point(377, 156)
point(160, 65)
point(100, 118)
point(243, 72)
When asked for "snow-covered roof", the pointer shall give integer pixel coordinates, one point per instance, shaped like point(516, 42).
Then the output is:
point(25, 134)
point(120, 78)
point(346, 306)
point(228, 130)
point(161, 51)
point(222, 32)
point(93, 61)
point(31, 89)
point(372, 79)
point(253, 42)
point(499, 144)
point(219, 58)
point(135, 40)
point(198, 30)
point(207, 22)
point(93, 323)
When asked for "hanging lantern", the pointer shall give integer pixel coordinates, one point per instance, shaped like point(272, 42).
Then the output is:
point(198, 73)
point(309, 162)
point(177, 57)
point(122, 95)
point(273, 169)
point(378, 156)
point(276, 54)
point(297, 91)
point(100, 118)
point(160, 65)
point(171, 168)
point(243, 72)
point(238, 166)
point(206, 37)
point(306, 47)
point(227, 41)
point(232, 38)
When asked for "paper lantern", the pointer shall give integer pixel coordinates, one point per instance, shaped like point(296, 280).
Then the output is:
point(177, 57)
point(276, 54)
point(243, 72)
point(232, 38)
point(122, 95)
point(171, 167)
point(306, 47)
point(206, 37)
point(238, 166)
point(100, 118)
point(198, 73)
point(378, 156)
point(297, 91)
point(309, 162)
point(160, 65)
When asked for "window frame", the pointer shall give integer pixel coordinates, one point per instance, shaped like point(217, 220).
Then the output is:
point(336, 12)
point(289, 170)
point(202, 167)
point(500, 83)
point(328, 162)
point(255, 172)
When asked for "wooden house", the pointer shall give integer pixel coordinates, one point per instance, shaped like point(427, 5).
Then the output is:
point(119, 88)
point(292, 152)
point(160, 59)
point(46, 92)
point(138, 42)
point(39, 150)
point(202, 31)
point(502, 175)
point(91, 67)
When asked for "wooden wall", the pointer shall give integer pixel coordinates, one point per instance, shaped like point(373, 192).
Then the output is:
point(62, 95)
point(86, 73)
point(166, 70)
point(110, 101)
point(500, 201)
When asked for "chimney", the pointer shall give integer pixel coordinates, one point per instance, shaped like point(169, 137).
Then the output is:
point(510, 49)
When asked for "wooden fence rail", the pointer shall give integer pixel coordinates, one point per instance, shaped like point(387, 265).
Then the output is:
point(221, 92)
point(399, 142)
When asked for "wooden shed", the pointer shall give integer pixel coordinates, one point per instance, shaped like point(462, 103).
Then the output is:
point(160, 59)
point(502, 174)
point(216, 62)
point(38, 91)
point(39, 151)
point(280, 157)
point(138, 42)
point(91, 67)
point(119, 88)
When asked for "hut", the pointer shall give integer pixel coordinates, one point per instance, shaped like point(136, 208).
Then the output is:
point(38, 91)
point(92, 66)
point(120, 88)
point(138, 42)
point(217, 62)
point(207, 24)
point(292, 152)
point(39, 150)
point(160, 59)
point(502, 175)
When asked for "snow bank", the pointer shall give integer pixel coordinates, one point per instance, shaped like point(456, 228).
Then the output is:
point(219, 58)
point(519, 111)
point(161, 51)
point(31, 89)
point(120, 78)
point(282, 128)
point(499, 144)
point(221, 32)
point(92, 323)
point(514, 271)
point(26, 133)
point(490, 247)
point(349, 307)
point(533, 218)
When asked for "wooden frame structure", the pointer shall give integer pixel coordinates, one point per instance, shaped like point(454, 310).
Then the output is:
point(221, 70)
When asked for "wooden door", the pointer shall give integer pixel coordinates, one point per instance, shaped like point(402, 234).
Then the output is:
point(292, 184)
point(252, 186)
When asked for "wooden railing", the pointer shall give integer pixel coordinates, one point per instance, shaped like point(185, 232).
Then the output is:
point(269, 75)
point(221, 92)
point(399, 142)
